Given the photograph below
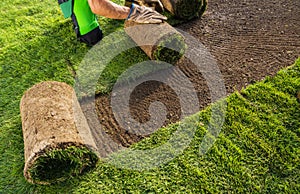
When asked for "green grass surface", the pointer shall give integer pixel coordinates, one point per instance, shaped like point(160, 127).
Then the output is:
point(257, 150)
point(60, 164)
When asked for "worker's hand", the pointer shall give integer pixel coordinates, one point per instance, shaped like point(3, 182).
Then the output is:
point(142, 14)
point(156, 4)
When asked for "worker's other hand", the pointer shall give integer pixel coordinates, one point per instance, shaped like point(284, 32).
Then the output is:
point(145, 15)
point(158, 6)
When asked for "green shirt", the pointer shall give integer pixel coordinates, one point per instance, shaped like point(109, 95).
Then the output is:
point(86, 19)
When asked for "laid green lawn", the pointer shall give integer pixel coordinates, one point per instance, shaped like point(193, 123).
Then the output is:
point(257, 150)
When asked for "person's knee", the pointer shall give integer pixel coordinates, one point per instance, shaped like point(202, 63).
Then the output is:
point(92, 37)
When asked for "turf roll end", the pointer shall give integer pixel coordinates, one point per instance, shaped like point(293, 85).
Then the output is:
point(159, 41)
point(57, 140)
point(58, 162)
point(163, 52)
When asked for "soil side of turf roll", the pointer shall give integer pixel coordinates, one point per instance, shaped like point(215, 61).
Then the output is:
point(169, 5)
point(52, 119)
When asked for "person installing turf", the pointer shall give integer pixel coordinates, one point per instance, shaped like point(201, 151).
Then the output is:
point(86, 26)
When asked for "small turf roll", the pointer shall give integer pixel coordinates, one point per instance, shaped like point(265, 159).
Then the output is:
point(159, 41)
point(57, 140)
point(185, 9)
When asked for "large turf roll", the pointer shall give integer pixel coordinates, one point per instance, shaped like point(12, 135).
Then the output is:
point(57, 140)
point(185, 9)
point(159, 41)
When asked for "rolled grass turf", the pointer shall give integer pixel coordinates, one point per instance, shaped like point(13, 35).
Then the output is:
point(185, 9)
point(57, 140)
point(159, 41)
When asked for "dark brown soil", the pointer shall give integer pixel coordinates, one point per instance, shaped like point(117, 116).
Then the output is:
point(249, 39)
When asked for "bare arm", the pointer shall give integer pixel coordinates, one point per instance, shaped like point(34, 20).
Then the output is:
point(108, 9)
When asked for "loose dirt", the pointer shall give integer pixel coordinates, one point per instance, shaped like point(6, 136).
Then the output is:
point(249, 40)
